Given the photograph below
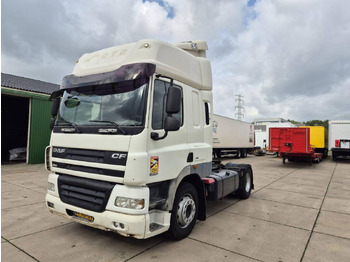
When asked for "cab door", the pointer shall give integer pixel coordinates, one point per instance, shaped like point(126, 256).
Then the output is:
point(167, 156)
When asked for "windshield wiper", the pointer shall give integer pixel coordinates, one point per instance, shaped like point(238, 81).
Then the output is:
point(72, 124)
point(112, 123)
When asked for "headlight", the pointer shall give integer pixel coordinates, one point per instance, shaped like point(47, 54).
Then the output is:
point(132, 203)
point(51, 186)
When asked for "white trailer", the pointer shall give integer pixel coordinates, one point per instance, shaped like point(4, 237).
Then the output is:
point(232, 136)
point(260, 139)
point(339, 138)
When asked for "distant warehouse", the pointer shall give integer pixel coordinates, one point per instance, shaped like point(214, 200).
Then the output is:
point(25, 116)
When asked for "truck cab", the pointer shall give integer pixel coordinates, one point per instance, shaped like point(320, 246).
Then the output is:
point(132, 139)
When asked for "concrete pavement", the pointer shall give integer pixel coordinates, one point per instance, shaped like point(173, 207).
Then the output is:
point(297, 212)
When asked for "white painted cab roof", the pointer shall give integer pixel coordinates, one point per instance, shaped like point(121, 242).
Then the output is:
point(185, 62)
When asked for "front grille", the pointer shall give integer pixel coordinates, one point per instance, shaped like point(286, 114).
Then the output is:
point(85, 193)
point(93, 170)
point(88, 155)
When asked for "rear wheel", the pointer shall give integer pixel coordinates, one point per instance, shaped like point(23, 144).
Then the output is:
point(245, 186)
point(325, 153)
point(334, 156)
point(185, 210)
point(238, 154)
point(243, 153)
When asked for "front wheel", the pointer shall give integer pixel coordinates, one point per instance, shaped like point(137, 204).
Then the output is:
point(184, 213)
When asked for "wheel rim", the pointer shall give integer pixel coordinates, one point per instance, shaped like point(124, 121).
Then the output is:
point(186, 211)
point(248, 182)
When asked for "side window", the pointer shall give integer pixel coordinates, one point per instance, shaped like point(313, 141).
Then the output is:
point(159, 100)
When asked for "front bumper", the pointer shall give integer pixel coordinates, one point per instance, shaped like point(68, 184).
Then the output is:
point(341, 151)
point(141, 224)
point(137, 226)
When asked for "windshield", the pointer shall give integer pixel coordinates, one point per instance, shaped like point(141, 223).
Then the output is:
point(121, 103)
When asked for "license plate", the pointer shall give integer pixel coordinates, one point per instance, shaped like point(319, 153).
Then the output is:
point(84, 216)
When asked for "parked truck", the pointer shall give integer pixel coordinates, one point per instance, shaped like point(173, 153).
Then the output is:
point(131, 142)
point(293, 143)
point(318, 139)
point(339, 138)
point(231, 136)
point(262, 133)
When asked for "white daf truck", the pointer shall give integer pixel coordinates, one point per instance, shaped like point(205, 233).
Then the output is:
point(131, 142)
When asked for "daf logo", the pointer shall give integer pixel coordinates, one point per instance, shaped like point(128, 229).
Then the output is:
point(118, 156)
point(68, 130)
point(59, 150)
point(109, 130)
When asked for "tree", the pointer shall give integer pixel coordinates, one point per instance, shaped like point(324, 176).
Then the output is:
point(295, 122)
point(317, 123)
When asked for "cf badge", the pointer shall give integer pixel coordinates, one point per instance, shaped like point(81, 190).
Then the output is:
point(118, 156)
point(154, 167)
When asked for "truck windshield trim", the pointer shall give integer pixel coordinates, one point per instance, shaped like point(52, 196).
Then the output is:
point(124, 73)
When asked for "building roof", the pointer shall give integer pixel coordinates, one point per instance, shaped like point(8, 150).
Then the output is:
point(270, 120)
point(27, 84)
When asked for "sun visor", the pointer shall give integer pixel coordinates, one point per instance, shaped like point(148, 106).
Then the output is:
point(124, 73)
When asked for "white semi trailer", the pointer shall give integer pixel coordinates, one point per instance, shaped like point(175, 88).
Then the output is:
point(231, 136)
point(260, 139)
point(339, 138)
point(131, 142)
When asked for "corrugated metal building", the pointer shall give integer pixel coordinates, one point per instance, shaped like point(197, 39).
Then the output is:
point(25, 116)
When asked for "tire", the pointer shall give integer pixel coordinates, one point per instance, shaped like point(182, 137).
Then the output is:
point(334, 156)
point(325, 153)
point(238, 155)
point(310, 161)
point(245, 186)
point(243, 153)
point(185, 211)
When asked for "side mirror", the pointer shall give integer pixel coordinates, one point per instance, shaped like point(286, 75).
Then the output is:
point(55, 107)
point(171, 124)
point(173, 101)
point(173, 106)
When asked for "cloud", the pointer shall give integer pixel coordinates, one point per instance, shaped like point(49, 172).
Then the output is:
point(287, 58)
point(292, 57)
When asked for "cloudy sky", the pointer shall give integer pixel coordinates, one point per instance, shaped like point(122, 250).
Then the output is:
point(288, 58)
